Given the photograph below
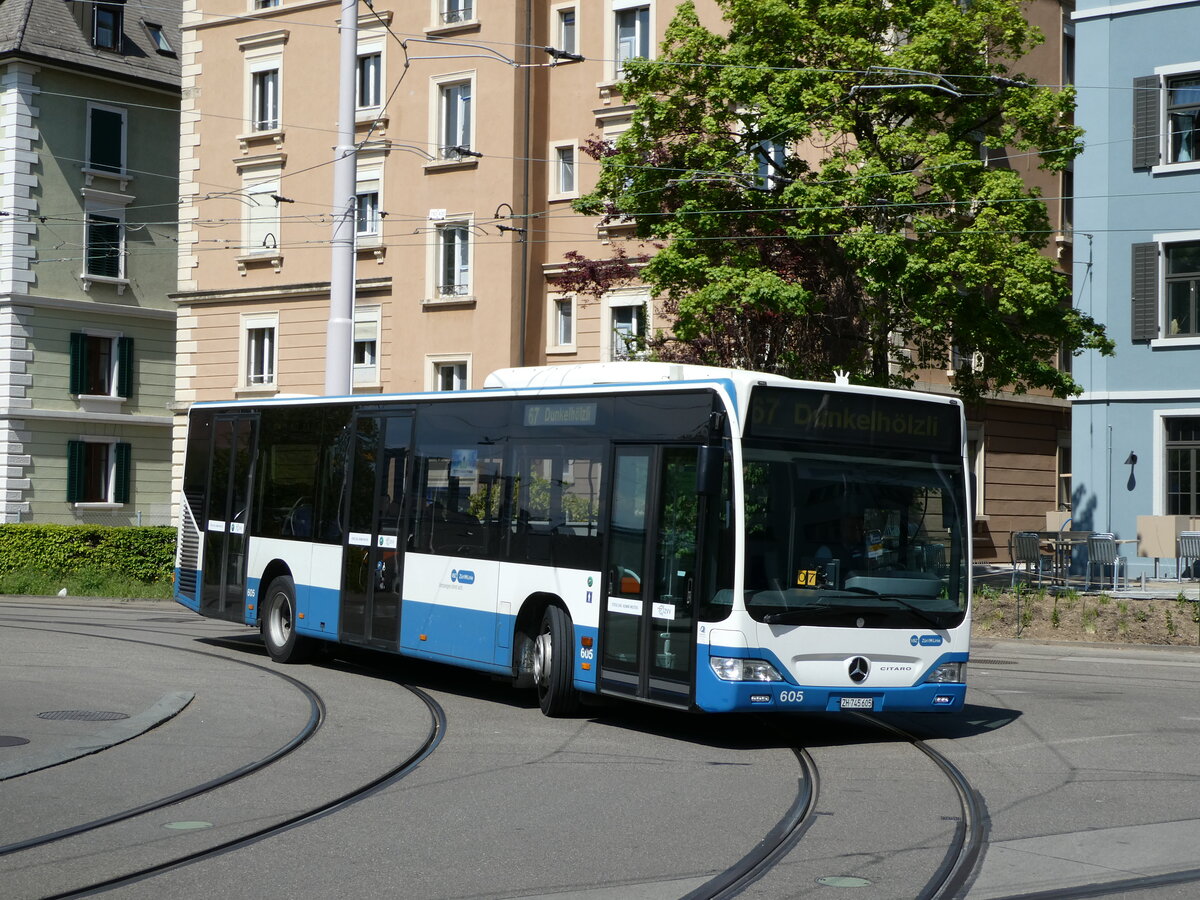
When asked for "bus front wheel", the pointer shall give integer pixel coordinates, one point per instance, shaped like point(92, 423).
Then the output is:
point(279, 623)
point(552, 664)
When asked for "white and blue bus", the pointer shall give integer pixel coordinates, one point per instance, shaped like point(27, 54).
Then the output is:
point(699, 538)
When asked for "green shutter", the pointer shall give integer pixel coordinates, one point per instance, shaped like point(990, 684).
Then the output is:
point(121, 487)
point(125, 367)
point(104, 151)
point(78, 376)
point(103, 254)
point(75, 473)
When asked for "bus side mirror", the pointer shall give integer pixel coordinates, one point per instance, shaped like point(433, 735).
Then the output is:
point(710, 466)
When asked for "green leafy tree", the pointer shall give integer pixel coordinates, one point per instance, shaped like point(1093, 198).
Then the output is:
point(882, 240)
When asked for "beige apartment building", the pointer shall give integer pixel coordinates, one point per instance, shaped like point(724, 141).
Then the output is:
point(469, 134)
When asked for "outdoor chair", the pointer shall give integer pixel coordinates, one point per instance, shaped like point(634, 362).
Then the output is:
point(1025, 551)
point(1187, 549)
point(1102, 553)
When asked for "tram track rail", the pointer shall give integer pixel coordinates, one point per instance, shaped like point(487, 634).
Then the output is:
point(949, 879)
point(388, 778)
point(311, 727)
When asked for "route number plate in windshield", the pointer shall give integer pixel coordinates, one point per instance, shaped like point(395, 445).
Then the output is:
point(858, 703)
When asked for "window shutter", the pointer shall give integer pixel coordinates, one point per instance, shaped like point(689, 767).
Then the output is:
point(121, 486)
point(1147, 130)
point(125, 367)
point(77, 382)
point(104, 246)
point(104, 151)
point(75, 471)
point(1144, 325)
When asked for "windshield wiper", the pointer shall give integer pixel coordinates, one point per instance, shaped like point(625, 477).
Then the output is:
point(918, 611)
point(801, 614)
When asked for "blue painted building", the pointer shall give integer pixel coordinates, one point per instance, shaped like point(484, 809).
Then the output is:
point(1136, 430)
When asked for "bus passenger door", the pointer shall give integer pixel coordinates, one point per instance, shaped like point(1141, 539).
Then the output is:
point(373, 555)
point(647, 638)
point(228, 517)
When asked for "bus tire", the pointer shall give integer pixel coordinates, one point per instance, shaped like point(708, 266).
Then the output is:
point(278, 614)
point(552, 664)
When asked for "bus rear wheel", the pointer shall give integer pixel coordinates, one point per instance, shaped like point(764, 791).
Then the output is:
point(278, 614)
point(552, 664)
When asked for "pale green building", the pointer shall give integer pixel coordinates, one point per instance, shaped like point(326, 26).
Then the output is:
point(89, 125)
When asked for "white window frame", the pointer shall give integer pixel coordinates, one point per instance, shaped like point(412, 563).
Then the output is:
point(261, 217)
point(1164, 241)
point(622, 299)
point(558, 190)
point(367, 49)
point(612, 43)
point(1165, 73)
point(369, 181)
point(437, 261)
point(436, 362)
point(257, 65)
point(367, 328)
point(467, 12)
point(113, 363)
point(558, 29)
point(110, 485)
point(267, 380)
point(554, 319)
point(767, 176)
point(124, 114)
point(978, 467)
point(440, 137)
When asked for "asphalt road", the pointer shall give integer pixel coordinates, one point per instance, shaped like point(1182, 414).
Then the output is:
point(145, 752)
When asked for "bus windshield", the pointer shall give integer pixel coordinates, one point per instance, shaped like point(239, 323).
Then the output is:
point(853, 540)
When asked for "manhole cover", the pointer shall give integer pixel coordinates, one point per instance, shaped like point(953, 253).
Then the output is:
point(83, 715)
point(8, 740)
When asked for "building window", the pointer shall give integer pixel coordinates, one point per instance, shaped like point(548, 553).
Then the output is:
point(627, 333)
point(1183, 118)
point(454, 259)
point(454, 119)
point(105, 252)
point(769, 158)
point(106, 139)
point(264, 100)
point(454, 11)
point(370, 79)
point(564, 322)
point(632, 30)
point(98, 471)
point(261, 223)
point(260, 350)
point(101, 365)
point(366, 345)
point(367, 216)
point(566, 38)
point(107, 24)
point(159, 39)
point(450, 376)
point(563, 182)
point(1183, 288)
point(1183, 466)
point(265, 4)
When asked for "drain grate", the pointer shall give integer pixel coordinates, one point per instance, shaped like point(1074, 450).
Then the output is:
point(8, 740)
point(993, 662)
point(83, 715)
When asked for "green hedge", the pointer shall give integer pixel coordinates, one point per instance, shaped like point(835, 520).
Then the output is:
point(143, 554)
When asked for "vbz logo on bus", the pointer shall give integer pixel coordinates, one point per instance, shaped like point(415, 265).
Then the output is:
point(462, 576)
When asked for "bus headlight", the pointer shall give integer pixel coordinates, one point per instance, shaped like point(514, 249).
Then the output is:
point(948, 673)
point(729, 668)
